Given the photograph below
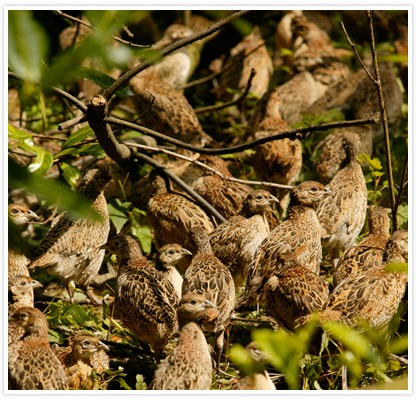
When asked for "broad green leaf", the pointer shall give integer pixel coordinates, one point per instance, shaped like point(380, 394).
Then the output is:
point(117, 213)
point(71, 151)
point(43, 161)
point(94, 150)
point(285, 52)
point(374, 163)
point(144, 236)
point(250, 152)
point(55, 337)
point(394, 58)
point(140, 383)
point(77, 313)
point(70, 173)
point(101, 79)
point(27, 44)
point(78, 136)
point(403, 216)
point(399, 344)
point(19, 135)
point(240, 356)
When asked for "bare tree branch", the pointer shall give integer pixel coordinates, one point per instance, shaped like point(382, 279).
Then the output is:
point(383, 117)
point(202, 165)
point(298, 133)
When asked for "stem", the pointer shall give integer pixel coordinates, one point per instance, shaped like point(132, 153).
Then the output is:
point(402, 186)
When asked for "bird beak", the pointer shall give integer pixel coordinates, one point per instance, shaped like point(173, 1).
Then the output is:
point(102, 346)
point(185, 252)
point(36, 284)
point(209, 304)
point(329, 192)
point(273, 199)
point(32, 215)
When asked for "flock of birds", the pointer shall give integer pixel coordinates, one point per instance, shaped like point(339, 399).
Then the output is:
point(278, 262)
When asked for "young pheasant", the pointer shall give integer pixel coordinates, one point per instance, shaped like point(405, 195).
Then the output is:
point(32, 364)
point(299, 235)
point(20, 292)
point(71, 248)
point(368, 253)
point(20, 215)
point(235, 241)
point(374, 295)
point(260, 379)
point(172, 215)
point(294, 291)
point(279, 161)
point(189, 366)
point(145, 300)
point(85, 353)
point(225, 196)
point(208, 276)
point(166, 258)
point(343, 215)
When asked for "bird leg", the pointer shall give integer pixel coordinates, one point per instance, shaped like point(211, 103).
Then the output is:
point(88, 291)
point(219, 345)
point(71, 291)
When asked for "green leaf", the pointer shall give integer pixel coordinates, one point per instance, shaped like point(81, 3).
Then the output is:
point(399, 344)
point(78, 136)
point(27, 44)
point(77, 313)
point(394, 58)
point(144, 236)
point(70, 173)
point(402, 216)
point(396, 267)
point(240, 356)
point(94, 150)
point(101, 79)
point(55, 337)
point(19, 135)
point(140, 384)
point(374, 164)
point(285, 52)
point(250, 152)
point(72, 151)
point(43, 161)
point(123, 383)
point(117, 213)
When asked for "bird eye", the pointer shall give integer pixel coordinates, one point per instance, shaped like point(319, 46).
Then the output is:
point(193, 301)
point(259, 197)
point(87, 343)
point(15, 211)
point(23, 283)
point(314, 189)
point(24, 316)
point(171, 252)
point(117, 243)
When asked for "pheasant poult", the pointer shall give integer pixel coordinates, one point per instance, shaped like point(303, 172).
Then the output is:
point(373, 296)
point(20, 292)
point(208, 276)
point(71, 248)
point(236, 240)
point(343, 215)
point(166, 258)
point(300, 235)
point(368, 253)
point(31, 362)
point(84, 353)
point(189, 366)
point(145, 300)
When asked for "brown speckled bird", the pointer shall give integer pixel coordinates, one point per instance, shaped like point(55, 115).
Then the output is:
point(299, 235)
point(172, 215)
point(20, 292)
point(170, 113)
point(294, 291)
point(279, 161)
point(368, 253)
point(189, 366)
point(250, 53)
point(260, 379)
point(32, 364)
point(235, 241)
point(225, 196)
point(71, 248)
point(166, 258)
point(84, 353)
point(333, 154)
point(175, 68)
point(208, 276)
point(343, 215)
point(366, 103)
point(20, 215)
point(145, 300)
point(374, 295)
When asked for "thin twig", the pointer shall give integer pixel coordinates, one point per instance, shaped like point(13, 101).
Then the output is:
point(61, 92)
point(170, 49)
point(399, 359)
point(402, 186)
point(229, 103)
point(383, 117)
point(47, 137)
point(21, 153)
point(96, 29)
point(74, 121)
point(356, 53)
point(298, 133)
point(202, 165)
point(201, 201)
